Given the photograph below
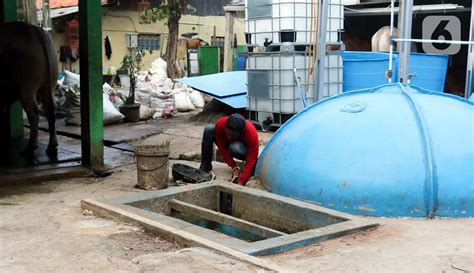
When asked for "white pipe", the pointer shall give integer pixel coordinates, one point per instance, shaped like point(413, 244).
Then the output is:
point(390, 62)
point(435, 41)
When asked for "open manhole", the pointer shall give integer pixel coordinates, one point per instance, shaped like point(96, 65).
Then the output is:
point(251, 221)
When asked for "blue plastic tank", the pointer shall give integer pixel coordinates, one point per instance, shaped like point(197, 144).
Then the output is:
point(393, 151)
point(367, 70)
point(430, 70)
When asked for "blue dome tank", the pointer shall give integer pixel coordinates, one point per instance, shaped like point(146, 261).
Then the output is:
point(394, 151)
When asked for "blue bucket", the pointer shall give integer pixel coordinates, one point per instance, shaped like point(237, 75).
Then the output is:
point(365, 69)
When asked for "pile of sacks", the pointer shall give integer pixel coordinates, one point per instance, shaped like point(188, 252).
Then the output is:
point(154, 89)
point(158, 95)
point(68, 101)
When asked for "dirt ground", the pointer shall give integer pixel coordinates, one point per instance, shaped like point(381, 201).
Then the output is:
point(42, 229)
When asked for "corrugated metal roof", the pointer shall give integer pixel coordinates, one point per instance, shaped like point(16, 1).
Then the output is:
point(55, 4)
point(58, 12)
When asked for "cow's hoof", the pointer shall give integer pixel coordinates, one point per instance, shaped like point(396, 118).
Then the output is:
point(52, 151)
point(29, 150)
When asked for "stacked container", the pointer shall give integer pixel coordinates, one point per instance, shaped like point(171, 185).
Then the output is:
point(273, 95)
point(267, 18)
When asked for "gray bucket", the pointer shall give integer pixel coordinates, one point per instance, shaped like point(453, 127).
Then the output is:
point(153, 166)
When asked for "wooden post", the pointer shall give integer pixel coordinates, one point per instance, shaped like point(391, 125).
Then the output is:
point(92, 130)
point(12, 125)
point(229, 39)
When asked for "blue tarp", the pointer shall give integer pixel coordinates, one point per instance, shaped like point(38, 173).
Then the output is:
point(239, 101)
point(228, 87)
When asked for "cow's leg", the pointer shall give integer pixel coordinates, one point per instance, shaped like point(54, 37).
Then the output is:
point(49, 110)
point(32, 112)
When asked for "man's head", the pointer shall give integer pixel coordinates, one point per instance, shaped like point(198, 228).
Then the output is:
point(235, 126)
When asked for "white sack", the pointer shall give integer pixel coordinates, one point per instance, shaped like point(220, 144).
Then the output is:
point(183, 102)
point(111, 115)
point(196, 98)
point(146, 112)
point(71, 78)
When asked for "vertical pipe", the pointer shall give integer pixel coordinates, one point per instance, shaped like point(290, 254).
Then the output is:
point(469, 90)
point(92, 130)
point(405, 48)
point(45, 14)
point(390, 61)
point(321, 52)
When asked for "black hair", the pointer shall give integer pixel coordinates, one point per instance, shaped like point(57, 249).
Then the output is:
point(236, 122)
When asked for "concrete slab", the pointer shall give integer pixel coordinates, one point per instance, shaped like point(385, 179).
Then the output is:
point(12, 158)
point(297, 223)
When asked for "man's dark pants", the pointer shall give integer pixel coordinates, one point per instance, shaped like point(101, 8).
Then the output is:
point(237, 149)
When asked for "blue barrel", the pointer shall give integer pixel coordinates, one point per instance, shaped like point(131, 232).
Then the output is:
point(365, 69)
point(241, 62)
point(393, 151)
point(429, 70)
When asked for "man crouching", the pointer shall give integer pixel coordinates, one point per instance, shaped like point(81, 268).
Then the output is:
point(235, 137)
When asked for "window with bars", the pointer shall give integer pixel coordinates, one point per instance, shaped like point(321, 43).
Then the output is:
point(149, 41)
point(217, 41)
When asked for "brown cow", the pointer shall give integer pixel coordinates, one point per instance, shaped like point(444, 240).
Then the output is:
point(29, 69)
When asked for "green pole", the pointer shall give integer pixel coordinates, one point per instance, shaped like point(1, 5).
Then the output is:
point(15, 119)
point(92, 129)
point(7, 10)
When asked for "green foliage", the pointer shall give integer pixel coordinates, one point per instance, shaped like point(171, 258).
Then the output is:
point(166, 10)
point(132, 63)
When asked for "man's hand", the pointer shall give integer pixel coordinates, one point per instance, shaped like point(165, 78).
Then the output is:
point(235, 174)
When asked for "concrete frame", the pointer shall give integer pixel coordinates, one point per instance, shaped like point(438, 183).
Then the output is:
point(125, 208)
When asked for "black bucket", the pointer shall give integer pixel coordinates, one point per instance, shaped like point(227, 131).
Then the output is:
point(287, 35)
point(189, 174)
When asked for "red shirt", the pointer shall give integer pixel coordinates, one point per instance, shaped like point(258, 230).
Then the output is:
point(249, 137)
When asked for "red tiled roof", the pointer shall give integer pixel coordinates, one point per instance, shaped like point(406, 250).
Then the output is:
point(55, 4)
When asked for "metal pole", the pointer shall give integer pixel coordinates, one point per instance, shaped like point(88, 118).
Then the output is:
point(390, 61)
point(14, 122)
point(469, 90)
point(321, 52)
point(435, 41)
point(90, 43)
point(405, 48)
point(46, 24)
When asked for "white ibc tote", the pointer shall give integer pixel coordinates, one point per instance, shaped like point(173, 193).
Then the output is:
point(266, 18)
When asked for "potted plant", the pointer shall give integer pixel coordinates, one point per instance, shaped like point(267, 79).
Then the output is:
point(132, 64)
